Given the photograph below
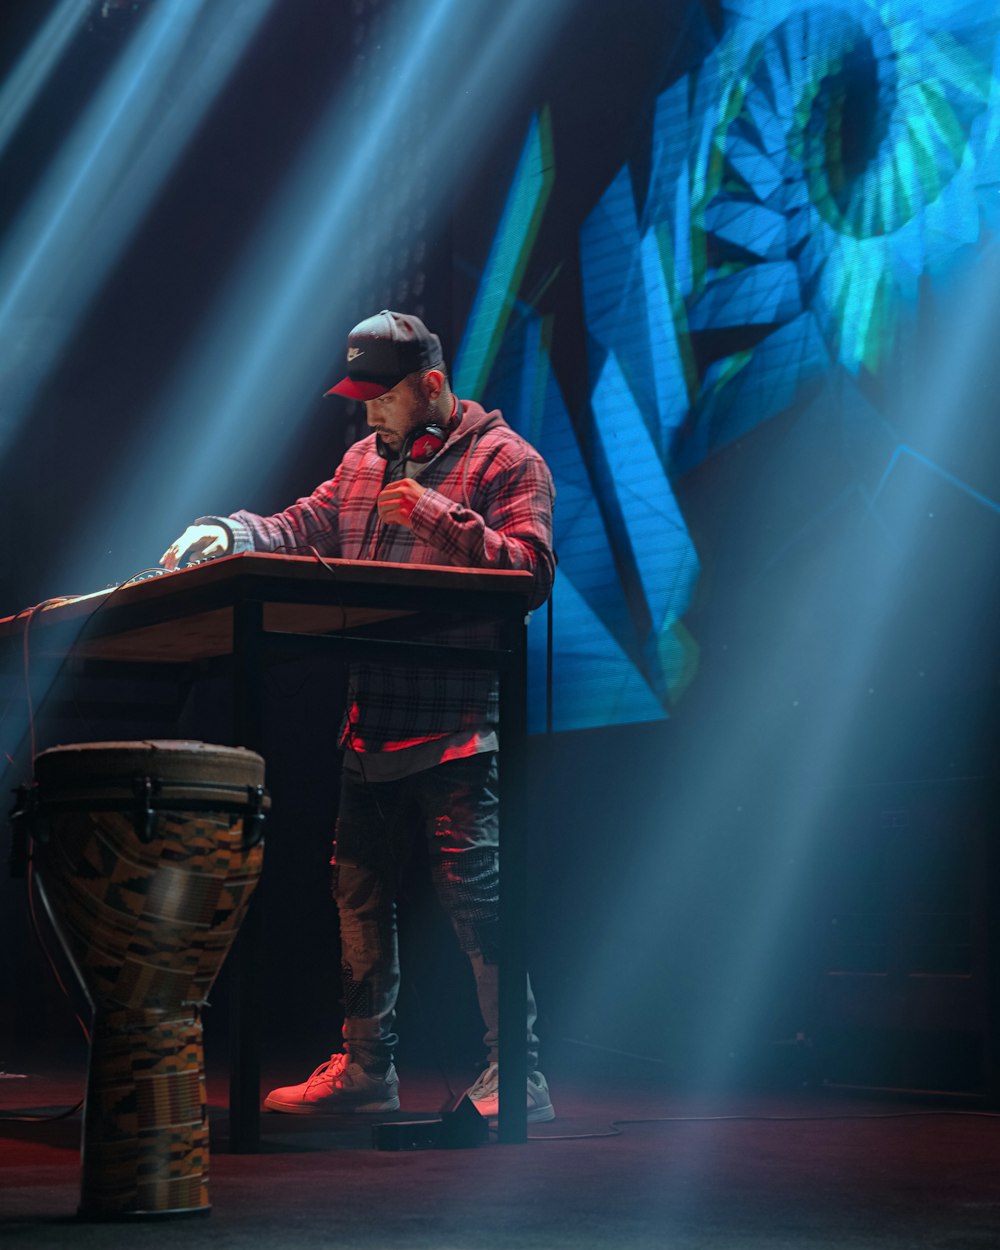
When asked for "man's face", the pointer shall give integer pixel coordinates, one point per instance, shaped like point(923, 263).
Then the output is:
point(398, 412)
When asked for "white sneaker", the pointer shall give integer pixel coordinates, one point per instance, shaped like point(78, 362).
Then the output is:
point(337, 1086)
point(485, 1096)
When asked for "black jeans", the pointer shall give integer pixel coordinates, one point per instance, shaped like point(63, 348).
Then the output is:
point(457, 805)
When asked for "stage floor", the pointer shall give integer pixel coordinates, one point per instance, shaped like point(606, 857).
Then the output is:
point(790, 1169)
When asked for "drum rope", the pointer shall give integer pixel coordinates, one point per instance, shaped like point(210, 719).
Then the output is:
point(28, 615)
point(36, 929)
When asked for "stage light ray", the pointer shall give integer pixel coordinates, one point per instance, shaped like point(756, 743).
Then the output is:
point(505, 48)
point(110, 169)
point(921, 213)
point(252, 373)
point(734, 793)
point(269, 335)
point(83, 172)
point(274, 329)
point(939, 407)
point(20, 90)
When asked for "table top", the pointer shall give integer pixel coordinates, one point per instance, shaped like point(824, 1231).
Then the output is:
point(188, 614)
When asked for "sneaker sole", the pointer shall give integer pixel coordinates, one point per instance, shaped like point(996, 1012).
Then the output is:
point(313, 1108)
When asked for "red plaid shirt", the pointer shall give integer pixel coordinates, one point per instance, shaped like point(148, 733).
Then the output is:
point(487, 503)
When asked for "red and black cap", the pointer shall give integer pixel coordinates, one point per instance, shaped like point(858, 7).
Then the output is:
point(383, 350)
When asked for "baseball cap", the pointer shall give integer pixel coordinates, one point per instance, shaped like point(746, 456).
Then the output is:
point(384, 349)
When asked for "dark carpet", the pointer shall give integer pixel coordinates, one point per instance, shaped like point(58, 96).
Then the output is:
point(787, 1169)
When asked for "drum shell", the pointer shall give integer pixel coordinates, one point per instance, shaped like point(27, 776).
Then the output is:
point(145, 1132)
point(147, 924)
point(143, 860)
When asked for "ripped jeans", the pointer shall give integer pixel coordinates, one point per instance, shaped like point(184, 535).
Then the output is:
point(457, 804)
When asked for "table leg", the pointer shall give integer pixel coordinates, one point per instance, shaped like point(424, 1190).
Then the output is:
point(244, 1018)
point(512, 1122)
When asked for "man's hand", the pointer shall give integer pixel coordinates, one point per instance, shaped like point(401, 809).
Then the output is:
point(203, 542)
point(397, 501)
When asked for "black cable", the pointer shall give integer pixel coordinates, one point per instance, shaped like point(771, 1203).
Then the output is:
point(29, 616)
point(43, 946)
point(549, 651)
point(144, 574)
point(41, 1119)
point(31, 613)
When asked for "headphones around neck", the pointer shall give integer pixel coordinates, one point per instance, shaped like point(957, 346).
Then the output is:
point(422, 444)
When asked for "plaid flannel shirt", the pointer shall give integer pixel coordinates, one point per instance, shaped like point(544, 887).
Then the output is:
point(487, 504)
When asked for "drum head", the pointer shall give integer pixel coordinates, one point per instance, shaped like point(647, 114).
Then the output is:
point(170, 760)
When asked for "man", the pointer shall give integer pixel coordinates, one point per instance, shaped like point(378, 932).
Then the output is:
point(439, 481)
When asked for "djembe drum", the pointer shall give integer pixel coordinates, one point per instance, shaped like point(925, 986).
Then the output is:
point(146, 856)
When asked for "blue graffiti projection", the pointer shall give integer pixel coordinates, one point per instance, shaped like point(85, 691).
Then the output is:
point(821, 163)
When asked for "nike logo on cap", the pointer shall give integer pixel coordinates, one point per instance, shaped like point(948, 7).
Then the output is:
point(353, 353)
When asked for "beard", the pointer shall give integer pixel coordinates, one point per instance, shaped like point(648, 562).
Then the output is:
point(422, 413)
point(415, 412)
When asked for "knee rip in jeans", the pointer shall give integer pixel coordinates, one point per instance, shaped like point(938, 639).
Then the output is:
point(352, 884)
point(467, 887)
point(358, 999)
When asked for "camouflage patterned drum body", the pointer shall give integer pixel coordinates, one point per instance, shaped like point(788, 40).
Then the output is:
point(146, 855)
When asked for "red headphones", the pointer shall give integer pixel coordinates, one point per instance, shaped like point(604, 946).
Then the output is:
point(422, 444)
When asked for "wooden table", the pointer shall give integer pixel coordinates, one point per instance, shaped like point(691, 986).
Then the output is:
point(240, 612)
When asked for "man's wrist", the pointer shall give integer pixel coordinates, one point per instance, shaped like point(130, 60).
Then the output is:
point(223, 525)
